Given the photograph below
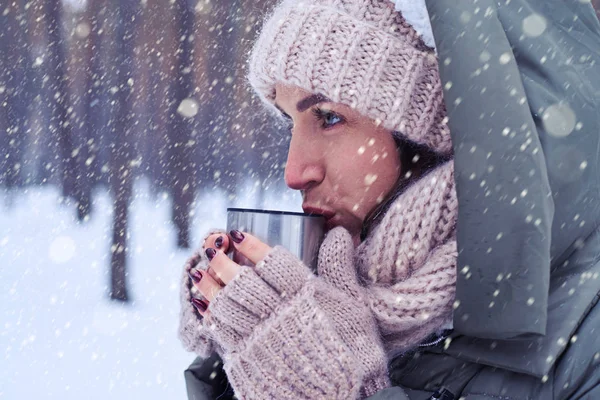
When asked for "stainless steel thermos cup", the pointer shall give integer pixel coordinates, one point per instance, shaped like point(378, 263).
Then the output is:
point(301, 234)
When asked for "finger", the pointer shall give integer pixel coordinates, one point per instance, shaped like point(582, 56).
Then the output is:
point(222, 266)
point(201, 306)
point(240, 259)
point(214, 275)
point(205, 284)
point(218, 241)
point(249, 246)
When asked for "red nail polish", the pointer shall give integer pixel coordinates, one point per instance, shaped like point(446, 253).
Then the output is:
point(201, 305)
point(195, 275)
point(210, 253)
point(237, 236)
point(219, 242)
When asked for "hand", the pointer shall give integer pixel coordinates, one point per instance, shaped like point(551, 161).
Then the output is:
point(221, 269)
point(273, 315)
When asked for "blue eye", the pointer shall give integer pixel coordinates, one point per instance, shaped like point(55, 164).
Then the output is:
point(327, 118)
point(331, 119)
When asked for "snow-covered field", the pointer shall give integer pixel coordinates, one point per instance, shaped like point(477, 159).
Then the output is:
point(60, 336)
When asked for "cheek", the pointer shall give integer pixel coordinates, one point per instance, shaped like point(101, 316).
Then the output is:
point(381, 170)
point(365, 186)
point(364, 171)
point(357, 158)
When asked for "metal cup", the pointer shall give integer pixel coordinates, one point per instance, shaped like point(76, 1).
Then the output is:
point(301, 234)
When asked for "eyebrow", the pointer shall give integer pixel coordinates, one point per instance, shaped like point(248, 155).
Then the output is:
point(306, 103)
point(310, 101)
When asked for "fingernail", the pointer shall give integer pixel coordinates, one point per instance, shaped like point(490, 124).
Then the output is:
point(237, 236)
point(210, 253)
point(219, 242)
point(199, 304)
point(195, 275)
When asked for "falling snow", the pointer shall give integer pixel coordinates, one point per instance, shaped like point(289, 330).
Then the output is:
point(534, 25)
point(188, 108)
point(559, 120)
point(127, 128)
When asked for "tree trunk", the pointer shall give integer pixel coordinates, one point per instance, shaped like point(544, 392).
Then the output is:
point(159, 36)
point(216, 42)
point(15, 92)
point(260, 146)
point(59, 95)
point(93, 108)
point(183, 114)
point(122, 146)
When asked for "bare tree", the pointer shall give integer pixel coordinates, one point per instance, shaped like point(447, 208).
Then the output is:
point(89, 101)
point(60, 124)
point(151, 89)
point(181, 135)
point(260, 144)
point(15, 91)
point(215, 32)
point(122, 146)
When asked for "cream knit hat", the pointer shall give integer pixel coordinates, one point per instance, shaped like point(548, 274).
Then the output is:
point(362, 53)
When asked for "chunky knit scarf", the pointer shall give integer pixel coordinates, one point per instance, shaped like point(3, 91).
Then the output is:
point(408, 262)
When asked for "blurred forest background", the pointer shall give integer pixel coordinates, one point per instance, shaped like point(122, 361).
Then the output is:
point(101, 92)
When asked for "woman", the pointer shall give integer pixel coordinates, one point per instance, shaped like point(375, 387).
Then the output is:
point(363, 90)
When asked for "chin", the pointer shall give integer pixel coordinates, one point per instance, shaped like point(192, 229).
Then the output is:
point(329, 225)
point(338, 221)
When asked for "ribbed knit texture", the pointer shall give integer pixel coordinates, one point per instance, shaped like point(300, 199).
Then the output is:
point(361, 53)
point(285, 333)
point(409, 261)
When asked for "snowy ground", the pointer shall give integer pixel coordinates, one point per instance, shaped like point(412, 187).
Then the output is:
point(60, 336)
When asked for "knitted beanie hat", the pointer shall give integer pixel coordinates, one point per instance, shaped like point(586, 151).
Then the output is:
point(362, 53)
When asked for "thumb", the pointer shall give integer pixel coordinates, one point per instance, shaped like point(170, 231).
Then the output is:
point(336, 262)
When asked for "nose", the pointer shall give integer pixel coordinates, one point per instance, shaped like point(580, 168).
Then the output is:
point(304, 168)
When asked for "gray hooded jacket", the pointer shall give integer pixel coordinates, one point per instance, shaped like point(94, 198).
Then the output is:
point(522, 88)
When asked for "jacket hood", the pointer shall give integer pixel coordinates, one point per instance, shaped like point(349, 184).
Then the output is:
point(521, 86)
point(415, 13)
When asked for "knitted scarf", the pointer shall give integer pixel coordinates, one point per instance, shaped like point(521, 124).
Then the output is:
point(408, 262)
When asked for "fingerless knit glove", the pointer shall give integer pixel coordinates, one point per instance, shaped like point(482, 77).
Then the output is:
point(286, 333)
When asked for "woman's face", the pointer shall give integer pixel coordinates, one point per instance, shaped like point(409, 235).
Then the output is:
point(343, 163)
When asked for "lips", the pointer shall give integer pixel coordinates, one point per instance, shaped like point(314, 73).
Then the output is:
point(317, 210)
